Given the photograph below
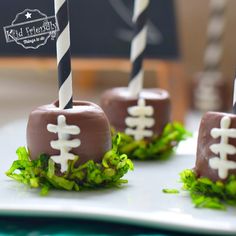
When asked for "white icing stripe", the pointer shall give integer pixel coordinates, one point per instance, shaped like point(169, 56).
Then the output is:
point(216, 148)
point(137, 112)
point(63, 162)
point(139, 134)
point(63, 43)
point(63, 144)
point(216, 133)
point(139, 44)
point(140, 120)
point(136, 85)
point(65, 92)
point(139, 7)
point(58, 5)
point(223, 148)
point(222, 165)
point(72, 129)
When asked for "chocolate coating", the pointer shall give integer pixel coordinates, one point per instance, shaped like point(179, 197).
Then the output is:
point(116, 101)
point(209, 121)
point(94, 127)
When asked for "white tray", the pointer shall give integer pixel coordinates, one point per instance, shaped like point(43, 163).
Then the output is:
point(140, 202)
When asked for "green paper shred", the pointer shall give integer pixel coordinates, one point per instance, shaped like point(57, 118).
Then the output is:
point(208, 194)
point(160, 147)
point(170, 191)
point(44, 173)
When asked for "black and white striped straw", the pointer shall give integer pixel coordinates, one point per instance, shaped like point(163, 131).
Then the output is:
point(138, 46)
point(64, 54)
point(234, 97)
point(207, 94)
point(215, 31)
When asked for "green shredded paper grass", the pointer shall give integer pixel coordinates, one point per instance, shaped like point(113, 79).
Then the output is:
point(160, 147)
point(44, 173)
point(208, 194)
point(170, 191)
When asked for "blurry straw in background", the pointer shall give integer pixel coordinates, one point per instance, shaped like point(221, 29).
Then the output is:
point(207, 94)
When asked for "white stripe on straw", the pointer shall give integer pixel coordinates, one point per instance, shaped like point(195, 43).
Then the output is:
point(65, 92)
point(63, 43)
point(58, 5)
point(139, 44)
point(136, 84)
point(139, 7)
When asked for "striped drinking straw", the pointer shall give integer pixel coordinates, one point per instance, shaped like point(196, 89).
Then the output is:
point(64, 54)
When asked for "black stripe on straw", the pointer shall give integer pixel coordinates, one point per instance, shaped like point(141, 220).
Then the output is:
point(63, 17)
point(211, 67)
point(64, 68)
point(137, 65)
point(214, 39)
point(140, 23)
point(69, 104)
point(216, 13)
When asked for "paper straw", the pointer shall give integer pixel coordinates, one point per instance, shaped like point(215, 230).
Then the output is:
point(64, 54)
point(207, 93)
point(138, 46)
point(215, 30)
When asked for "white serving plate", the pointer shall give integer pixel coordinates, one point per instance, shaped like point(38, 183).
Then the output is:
point(140, 202)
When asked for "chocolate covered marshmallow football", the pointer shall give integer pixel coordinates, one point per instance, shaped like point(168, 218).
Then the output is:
point(69, 149)
point(142, 116)
point(212, 182)
point(69, 144)
point(143, 121)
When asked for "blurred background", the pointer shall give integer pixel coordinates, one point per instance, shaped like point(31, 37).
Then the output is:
point(175, 55)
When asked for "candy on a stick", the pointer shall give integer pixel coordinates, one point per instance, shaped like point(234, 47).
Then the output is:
point(142, 116)
point(69, 142)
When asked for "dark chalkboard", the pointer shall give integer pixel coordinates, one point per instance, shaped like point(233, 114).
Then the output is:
point(99, 28)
